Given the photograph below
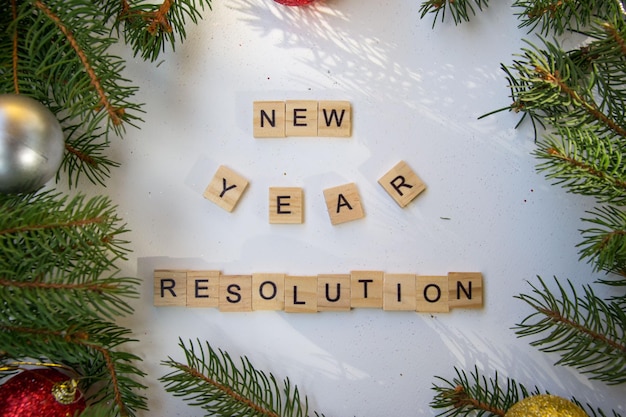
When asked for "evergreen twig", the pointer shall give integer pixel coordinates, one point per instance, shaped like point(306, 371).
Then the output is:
point(476, 394)
point(586, 331)
point(460, 10)
point(211, 380)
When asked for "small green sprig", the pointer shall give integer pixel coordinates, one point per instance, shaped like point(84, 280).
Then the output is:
point(211, 380)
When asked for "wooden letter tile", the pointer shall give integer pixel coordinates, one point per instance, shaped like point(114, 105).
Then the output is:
point(286, 205)
point(432, 294)
point(235, 293)
point(268, 120)
point(366, 289)
point(402, 184)
point(333, 292)
point(300, 294)
point(301, 118)
point(466, 289)
point(334, 119)
point(268, 291)
point(226, 188)
point(203, 288)
point(343, 203)
point(399, 292)
point(170, 288)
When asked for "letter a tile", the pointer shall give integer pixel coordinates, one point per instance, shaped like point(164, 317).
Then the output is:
point(402, 184)
point(343, 203)
point(226, 188)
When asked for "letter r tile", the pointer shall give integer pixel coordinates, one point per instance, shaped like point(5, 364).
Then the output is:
point(402, 184)
point(170, 288)
point(226, 188)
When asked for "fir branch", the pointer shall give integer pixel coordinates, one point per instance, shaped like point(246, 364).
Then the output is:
point(557, 16)
point(584, 163)
point(113, 112)
point(587, 332)
point(476, 394)
point(14, 54)
point(89, 349)
point(85, 155)
point(461, 10)
point(149, 28)
point(605, 244)
point(211, 380)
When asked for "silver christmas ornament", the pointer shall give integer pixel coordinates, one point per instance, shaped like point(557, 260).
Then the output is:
point(31, 144)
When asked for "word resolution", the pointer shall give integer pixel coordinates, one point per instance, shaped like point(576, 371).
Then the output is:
point(315, 293)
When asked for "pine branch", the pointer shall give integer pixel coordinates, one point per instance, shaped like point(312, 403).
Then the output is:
point(605, 244)
point(211, 380)
point(461, 10)
point(558, 16)
point(584, 163)
point(476, 395)
point(149, 28)
point(587, 332)
point(59, 291)
point(88, 347)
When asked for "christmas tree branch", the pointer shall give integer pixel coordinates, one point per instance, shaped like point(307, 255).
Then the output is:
point(149, 27)
point(14, 55)
point(211, 380)
point(587, 332)
point(461, 10)
point(476, 395)
point(89, 347)
point(114, 113)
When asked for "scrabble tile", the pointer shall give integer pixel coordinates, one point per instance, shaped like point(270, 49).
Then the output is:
point(366, 289)
point(226, 188)
point(399, 292)
point(203, 288)
point(333, 292)
point(343, 203)
point(465, 289)
point(334, 119)
point(268, 291)
point(301, 118)
point(235, 293)
point(170, 288)
point(300, 294)
point(402, 184)
point(268, 119)
point(432, 294)
point(286, 205)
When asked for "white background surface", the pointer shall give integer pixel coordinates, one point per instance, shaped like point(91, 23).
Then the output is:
point(416, 94)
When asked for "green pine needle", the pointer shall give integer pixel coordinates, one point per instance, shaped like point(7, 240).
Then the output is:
point(211, 380)
point(460, 10)
point(586, 331)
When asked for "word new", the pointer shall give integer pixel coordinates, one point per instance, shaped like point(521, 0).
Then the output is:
point(277, 119)
point(286, 204)
point(325, 292)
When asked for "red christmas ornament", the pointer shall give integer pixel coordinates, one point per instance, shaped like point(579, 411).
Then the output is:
point(40, 392)
point(294, 2)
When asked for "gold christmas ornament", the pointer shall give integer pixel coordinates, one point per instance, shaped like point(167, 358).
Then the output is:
point(545, 406)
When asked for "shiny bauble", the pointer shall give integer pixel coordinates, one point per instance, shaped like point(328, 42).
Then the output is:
point(294, 2)
point(31, 144)
point(40, 392)
point(545, 406)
